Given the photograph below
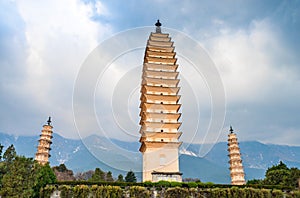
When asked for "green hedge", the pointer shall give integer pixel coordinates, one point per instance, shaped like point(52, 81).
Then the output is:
point(47, 191)
point(108, 191)
point(81, 191)
point(177, 192)
point(233, 192)
point(66, 191)
point(139, 192)
point(173, 184)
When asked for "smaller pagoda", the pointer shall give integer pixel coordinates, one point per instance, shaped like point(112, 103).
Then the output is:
point(236, 168)
point(43, 150)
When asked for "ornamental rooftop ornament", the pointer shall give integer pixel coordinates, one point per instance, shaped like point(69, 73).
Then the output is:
point(158, 24)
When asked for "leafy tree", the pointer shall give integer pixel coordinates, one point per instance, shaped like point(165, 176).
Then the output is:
point(255, 181)
point(277, 177)
point(19, 179)
point(21, 176)
point(130, 177)
point(63, 173)
point(109, 177)
point(1, 164)
point(43, 175)
point(10, 154)
point(120, 178)
point(84, 175)
point(281, 175)
point(98, 175)
point(294, 177)
point(1, 149)
point(61, 168)
point(191, 180)
point(280, 166)
point(8, 157)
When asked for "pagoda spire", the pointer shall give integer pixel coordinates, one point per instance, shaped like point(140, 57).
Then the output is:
point(42, 155)
point(158, 24)
point(160, 110)
point(236, 168)
point(49, 121)
point(231, 130)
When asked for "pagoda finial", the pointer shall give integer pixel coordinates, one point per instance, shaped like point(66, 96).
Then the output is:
point(49, 121)
point(231, 130)
point(158, 24)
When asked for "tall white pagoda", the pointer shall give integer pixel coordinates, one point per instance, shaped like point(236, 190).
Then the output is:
point(160, 110)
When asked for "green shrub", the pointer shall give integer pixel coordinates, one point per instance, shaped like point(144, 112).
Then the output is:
point(97, 191)
point(47, 191)
point(266, 193)
point(296, 194)
point(93, 190)
point(248, 192)
point(107, 191)
point(193, 192)
point(204, 193)
point(219, 193)
point(81, 191)
point(192, 184)
point(148, 184)
point(236, 192)
point(177, 192)
point(176, 184)
point(115, 191)
point(139, 192)
point(163, 184)
point(165, 189)
point(103, 192)
point(277, 193)
point(65, 191)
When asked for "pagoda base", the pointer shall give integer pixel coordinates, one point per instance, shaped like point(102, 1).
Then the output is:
point(166, 176)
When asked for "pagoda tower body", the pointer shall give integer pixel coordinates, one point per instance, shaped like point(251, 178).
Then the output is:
point(160, 110)
point(43, 150)
point(236, 168)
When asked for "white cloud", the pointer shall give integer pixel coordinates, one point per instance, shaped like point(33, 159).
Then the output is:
point(59, 36)
point(253, 62)
point(101, 9)
point(250, 61)
point(260, 81)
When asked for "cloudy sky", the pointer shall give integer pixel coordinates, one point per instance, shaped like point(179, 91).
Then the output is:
point(254, 46)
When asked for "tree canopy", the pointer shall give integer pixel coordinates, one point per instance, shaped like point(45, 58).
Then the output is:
point(1, 149)
point(98, 176)
point(130, 177)
point(109, 177)
point(61, 168)
point(21, 176)
point(10, 154)
point(279, 174)
point(120, 178)
point(63, 173)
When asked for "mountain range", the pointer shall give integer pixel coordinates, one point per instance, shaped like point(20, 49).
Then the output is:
point(120, 156)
